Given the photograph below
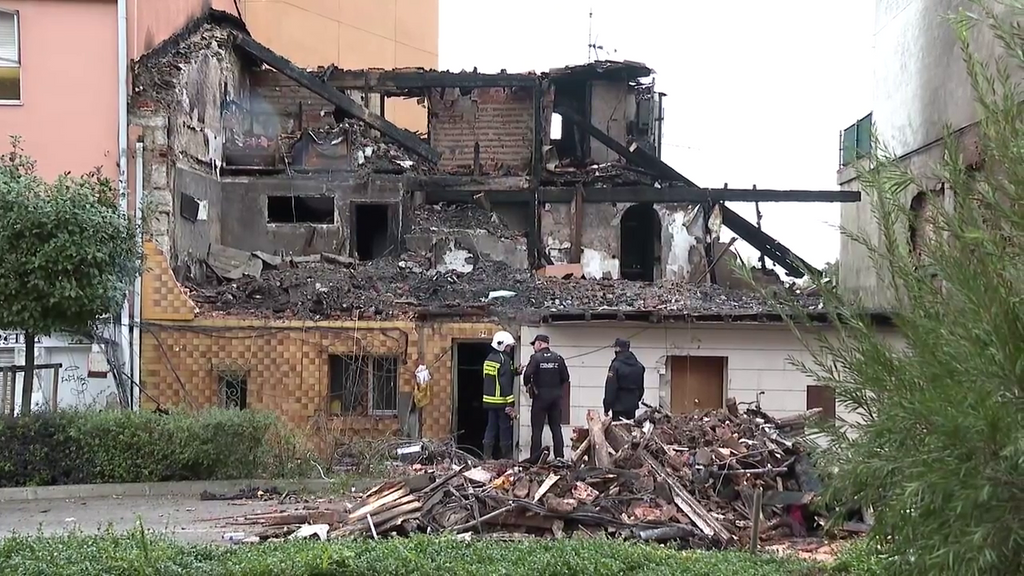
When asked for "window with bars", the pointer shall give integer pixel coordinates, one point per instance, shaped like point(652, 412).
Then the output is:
point(363, 385)
point(10, 57)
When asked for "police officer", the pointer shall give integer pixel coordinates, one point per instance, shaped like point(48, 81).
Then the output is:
point(624, 387)
point(546, 379)
point(499, 397)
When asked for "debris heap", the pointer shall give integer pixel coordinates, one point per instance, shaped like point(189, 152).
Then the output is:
point(690, 479)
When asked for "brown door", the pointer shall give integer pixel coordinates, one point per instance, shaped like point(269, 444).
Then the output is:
point(698, 383)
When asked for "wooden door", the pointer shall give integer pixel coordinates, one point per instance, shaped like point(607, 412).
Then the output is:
point(698, 383)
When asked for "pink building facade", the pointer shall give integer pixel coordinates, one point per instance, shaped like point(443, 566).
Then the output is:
point(62, 89)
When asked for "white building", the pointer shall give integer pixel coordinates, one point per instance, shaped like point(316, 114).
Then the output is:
point(83, 379)
point(694, 365)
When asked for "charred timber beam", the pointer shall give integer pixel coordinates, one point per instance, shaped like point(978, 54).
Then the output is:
point(614, 145)
point(664, 195)
point(767, 245)
point(403, 137)
point(400, 80)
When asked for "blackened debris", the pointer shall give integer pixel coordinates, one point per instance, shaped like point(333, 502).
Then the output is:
point(452, 217)
point(396, 287)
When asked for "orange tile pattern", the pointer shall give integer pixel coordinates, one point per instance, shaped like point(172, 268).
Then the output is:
point(287, 365)
point(162, 296)
point(286, 362)
point(439, 339)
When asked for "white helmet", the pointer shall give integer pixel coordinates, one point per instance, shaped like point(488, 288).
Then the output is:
point(502, 339)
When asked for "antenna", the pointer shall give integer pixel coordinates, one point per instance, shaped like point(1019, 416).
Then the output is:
point(590, 32)
point(592, 46)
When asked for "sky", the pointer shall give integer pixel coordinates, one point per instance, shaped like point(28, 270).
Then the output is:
point(757, 92)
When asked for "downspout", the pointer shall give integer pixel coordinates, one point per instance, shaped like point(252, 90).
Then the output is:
point(136, 328)
point(124, 336)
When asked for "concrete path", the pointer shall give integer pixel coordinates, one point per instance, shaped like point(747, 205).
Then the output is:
point(183, 517)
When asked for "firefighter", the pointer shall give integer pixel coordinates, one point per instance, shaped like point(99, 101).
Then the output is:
point(546, 378)
point(624, 387)
point(499, 397)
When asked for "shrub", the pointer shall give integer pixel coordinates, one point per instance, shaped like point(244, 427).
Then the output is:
point(938, 448)
point(142, 553)
point(90, 446)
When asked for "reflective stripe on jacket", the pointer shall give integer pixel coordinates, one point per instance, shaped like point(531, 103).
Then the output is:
point(498, 380)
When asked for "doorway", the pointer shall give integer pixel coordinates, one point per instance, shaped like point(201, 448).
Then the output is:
point(371, 239)
point(639, 243)
point(470, 417)
point(697, 383)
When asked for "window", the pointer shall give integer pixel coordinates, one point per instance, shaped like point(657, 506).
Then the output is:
point(300, 209)
point(363, 385)
point(234, 390)
point(10, 58)
point(823, 397)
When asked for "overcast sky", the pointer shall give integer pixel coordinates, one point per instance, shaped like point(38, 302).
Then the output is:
point(757, 92)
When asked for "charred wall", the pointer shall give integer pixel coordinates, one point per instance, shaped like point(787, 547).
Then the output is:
point(500, 120)
point(279, 105)
point(197, 200)
point(323, 212)
point(679, 254)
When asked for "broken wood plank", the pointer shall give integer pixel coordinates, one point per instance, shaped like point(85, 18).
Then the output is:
point(403, 137)
point(548, 483)
point(378, 504)
point(688, 504)
point(596, 424)
point(579, 453)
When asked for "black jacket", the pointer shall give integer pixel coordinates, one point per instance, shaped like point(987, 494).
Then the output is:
point(624, 387)
point(499, 381)
point(546, 373)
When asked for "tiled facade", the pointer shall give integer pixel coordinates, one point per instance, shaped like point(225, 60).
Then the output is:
point(286, 362)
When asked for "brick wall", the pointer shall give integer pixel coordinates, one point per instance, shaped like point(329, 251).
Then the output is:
point(272, 91)
point(500, 119)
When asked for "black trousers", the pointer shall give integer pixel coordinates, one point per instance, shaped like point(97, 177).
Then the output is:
point(627, 414)
point(547, 407)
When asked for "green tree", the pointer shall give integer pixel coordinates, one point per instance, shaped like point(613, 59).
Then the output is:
point(68, 254)
point(938, 448)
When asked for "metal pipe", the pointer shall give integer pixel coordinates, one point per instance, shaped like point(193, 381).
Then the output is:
point(124, 337)
point(136, 327)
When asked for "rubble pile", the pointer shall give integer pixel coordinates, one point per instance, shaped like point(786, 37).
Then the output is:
point(327, 285)
point(690, 479)
point(449, 217)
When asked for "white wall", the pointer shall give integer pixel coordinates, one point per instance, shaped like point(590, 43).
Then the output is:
point(757, 361)
point(75, 389)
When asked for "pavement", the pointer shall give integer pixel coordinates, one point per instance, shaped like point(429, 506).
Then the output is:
point(185, 518)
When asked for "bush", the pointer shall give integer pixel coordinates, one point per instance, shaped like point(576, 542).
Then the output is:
point(83, 447)
point(142, 553)
point(938, 450)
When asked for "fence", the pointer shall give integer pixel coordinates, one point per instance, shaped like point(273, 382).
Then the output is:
point(9, 380)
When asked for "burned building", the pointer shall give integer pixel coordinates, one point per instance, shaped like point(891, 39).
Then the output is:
point(306, 255)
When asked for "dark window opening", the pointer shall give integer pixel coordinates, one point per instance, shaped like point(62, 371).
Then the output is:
point(823, 397)
point(363, 385)
point(639, 243)
point(371, 231)
point(470, 415)
point(234, 391)
point(300, 209)
point(571, 144)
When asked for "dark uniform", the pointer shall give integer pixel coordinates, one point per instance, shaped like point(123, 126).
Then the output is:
point(499, 381)
point(624, 387)
point(546, 376)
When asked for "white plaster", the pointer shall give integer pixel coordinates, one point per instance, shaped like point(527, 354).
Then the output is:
point(456, 260)
point(595, 263)
point(681, 241)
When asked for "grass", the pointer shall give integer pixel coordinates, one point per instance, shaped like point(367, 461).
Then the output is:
point(144, 553)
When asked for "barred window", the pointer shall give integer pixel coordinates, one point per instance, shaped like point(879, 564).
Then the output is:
point(363, 385)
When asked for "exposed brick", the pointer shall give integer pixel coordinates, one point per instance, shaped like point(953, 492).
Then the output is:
point(499, 119)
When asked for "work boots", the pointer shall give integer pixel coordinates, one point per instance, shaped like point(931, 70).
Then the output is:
point(506, 451)
point(488, 453)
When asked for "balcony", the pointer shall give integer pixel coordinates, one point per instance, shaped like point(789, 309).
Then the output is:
point(855, 142)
